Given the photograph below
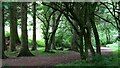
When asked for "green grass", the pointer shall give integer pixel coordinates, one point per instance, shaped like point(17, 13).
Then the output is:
point(39, 51)
point(96, 61)
point(99, 60)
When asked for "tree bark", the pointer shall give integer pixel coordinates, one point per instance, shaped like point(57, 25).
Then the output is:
point(34, 27)
point(3, 25)
point(13, 21)
point(74, 38)
point(97, 40)
point(25, 49)
point(88, 43)
point(82, 53)
point(2, 35)
point(53, 37)
point(47, 48)
point(17, 40)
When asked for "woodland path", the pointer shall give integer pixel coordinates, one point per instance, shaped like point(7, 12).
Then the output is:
point(50, 60)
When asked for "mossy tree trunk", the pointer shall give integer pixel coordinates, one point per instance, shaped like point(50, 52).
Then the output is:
point(25, 49)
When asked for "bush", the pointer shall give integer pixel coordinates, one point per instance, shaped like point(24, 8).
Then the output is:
point(41, 43)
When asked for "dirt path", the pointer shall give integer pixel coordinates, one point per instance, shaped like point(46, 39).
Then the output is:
point(48, 60)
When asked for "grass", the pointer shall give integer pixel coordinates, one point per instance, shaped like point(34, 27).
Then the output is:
point(99, 60)
point(96, 61)
point(39, 51)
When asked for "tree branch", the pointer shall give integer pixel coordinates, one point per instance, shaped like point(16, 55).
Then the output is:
point(105, 20)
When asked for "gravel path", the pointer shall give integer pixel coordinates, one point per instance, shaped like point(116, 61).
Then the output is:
point(48, 60)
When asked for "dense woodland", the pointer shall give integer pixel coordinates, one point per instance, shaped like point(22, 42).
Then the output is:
point(83, 27)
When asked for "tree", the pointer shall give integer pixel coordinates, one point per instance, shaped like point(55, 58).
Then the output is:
point(2, 43)
point(34, 26)
point(114, 12)
point(83, 23)
point(17, 40)
point(74, 39)
point(92, 19)
point(49, 22)
point(45, 18)
point(53, 26)
point(13, 21)
point(24, 50)
point(3, 25)
point(74, 36)
point(14, 39)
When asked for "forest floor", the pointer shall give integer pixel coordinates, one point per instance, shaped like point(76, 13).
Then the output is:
point(50, 60)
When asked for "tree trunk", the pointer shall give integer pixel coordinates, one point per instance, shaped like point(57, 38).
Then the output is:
point(3, 25)
point(74, 39)
point(47, 48)
point(97, 40)
point(53, 37)
point(46, 34)
point(12, 27)
point(49, 39)
point(88, 44)
point(3, 41)
point(79, 16)
point(2, 35)
point(17, 40)
point(82, 53)
point(34, 27)
point(85, 31)
point(25, 49)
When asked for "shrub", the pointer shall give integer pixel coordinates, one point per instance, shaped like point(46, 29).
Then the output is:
point(41, 43)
